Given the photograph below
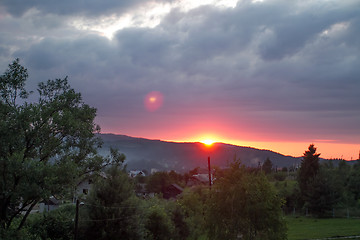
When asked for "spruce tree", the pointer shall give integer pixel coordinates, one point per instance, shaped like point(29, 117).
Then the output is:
point(309, 169)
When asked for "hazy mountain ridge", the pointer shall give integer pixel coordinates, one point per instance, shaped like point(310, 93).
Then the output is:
point(146, 154)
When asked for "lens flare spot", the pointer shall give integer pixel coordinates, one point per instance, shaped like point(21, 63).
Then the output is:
point(153, 101)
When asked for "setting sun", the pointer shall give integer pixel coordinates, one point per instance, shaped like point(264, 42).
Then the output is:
point(207, 142)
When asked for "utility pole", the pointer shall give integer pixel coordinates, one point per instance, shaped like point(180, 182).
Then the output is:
point(209, 172)
point(76, 219)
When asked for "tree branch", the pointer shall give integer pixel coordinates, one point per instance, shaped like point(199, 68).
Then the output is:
point(27, 214)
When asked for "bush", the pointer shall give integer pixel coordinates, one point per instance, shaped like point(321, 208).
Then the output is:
point(280, 176)
point(55, 225)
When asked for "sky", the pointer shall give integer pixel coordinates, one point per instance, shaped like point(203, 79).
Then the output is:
point(271, 74)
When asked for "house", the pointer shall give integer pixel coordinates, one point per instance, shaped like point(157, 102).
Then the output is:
point(84, 186)
point(198, 179)
point(172, 191)
point(142, 192)
point(136, 173)
point(48, 205)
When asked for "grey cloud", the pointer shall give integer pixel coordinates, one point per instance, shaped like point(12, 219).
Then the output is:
point(145, 47)
point(70, 7)
point(291, 30)
point(267, 62)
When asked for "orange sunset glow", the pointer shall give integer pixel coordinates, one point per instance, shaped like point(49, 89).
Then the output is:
point(185, 119)
point(327, 149)
point(207, 142)
point(193, 71)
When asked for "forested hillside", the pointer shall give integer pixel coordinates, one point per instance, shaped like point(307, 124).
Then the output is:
point(146, 154)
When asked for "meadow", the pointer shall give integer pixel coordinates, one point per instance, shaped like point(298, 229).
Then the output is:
point(319, 228)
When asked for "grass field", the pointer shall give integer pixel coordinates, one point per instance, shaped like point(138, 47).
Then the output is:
point(302, 228)
point(313, 228)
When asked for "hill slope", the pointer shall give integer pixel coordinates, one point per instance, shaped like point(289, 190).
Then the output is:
point(147, 154)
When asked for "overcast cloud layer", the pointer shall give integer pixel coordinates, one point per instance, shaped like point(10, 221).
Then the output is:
point(283, 70)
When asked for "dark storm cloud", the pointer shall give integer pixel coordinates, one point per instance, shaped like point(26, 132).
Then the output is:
point(70, 7)
point(288, 63)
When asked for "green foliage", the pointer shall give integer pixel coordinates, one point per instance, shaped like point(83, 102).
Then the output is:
point(45, 144)
point(56, 225)
point(289, 191)
point(157, 182)
point(280, 176)
point(158, 223)
point(165, 220)
point(322, 186)
point(181, 230)
point(113, 210)
point(12, 83)
point(267, 166)
point(177, 178)
point(243, 204)
point(192, 203)
point(322, 193)
point(353, 186)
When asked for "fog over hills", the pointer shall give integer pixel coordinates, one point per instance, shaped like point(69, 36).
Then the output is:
point(146, 154)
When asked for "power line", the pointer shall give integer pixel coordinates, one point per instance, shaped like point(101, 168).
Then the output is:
point(114, 207)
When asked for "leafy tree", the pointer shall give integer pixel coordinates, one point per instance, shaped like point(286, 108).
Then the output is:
point(164, 220)
point(291, 194)
point(158, 224)
point(353, 186)
point(181, 227)
point(323, 192)
point(175, 177)
point(193, 206)
point(113, 210)
point(45, 144)
point(244, 205)
point(267, 166)
point(157, 182)
point(55, 225)
point(279, 176)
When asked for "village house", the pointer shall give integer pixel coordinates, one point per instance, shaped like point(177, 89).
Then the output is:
point(198, 179)
point(172, 191)
point(84, 186)
point(136, 173)
point(48, 205)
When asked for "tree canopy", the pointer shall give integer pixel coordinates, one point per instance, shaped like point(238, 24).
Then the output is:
point(45, 144)
point(112, 207)
point(267, 166)
point(308, 171)
point(309, 166)
point(243, 204)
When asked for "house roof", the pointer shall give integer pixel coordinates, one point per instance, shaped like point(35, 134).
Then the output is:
point(177, 187)
point(201, 177)
point(92, 175)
